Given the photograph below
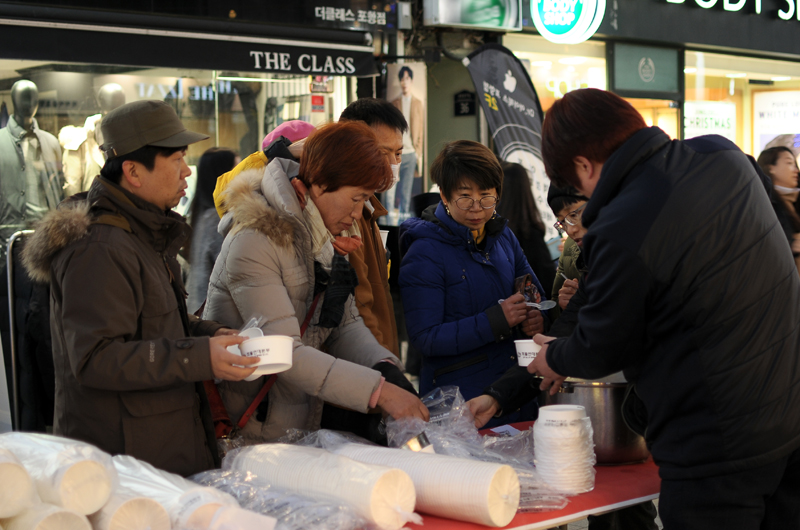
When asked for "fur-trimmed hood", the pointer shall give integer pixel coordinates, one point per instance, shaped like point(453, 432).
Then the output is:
point(56, 230)
point(263, 200)
point(104, 204)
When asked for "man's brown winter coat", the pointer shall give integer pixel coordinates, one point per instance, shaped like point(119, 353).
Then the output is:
point(126, 369)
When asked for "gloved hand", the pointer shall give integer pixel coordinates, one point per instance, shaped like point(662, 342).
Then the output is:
point(393, 375)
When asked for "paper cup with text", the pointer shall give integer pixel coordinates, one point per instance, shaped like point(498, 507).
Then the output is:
point(526, 351)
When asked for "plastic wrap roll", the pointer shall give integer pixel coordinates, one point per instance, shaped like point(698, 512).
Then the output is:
point(127, 511)
point(382, 495)
point(190, 507)
point(455, 488)
point(44, 516)
point(67, 473)
point(16, 486)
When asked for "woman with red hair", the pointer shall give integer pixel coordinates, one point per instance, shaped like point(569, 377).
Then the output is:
point(289, 229)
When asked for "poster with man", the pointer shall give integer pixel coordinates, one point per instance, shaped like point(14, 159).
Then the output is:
point(406, 88)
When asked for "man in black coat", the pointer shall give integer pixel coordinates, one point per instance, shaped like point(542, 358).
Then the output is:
point(693, 292)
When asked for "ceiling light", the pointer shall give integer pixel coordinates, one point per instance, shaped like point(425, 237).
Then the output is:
point(256, 79)
point(784, 78)
point(735, 76)
point(690, 70)
point(572, 60)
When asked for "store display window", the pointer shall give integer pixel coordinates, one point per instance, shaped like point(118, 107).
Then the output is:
point(753, 102)
point(236, 109)
point(556, 69)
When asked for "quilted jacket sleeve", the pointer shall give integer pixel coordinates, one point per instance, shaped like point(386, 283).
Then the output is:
point(260, 278)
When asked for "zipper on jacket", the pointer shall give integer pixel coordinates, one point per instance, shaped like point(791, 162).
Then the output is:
point(459, 366)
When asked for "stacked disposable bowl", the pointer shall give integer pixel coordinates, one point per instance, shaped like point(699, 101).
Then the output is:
point(563, 447)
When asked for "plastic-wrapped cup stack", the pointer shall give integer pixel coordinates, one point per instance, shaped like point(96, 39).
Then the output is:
point(563, 447)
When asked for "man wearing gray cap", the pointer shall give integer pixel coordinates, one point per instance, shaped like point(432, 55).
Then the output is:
point(129, 359)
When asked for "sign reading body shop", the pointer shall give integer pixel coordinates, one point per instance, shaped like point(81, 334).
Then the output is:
point(787, 10)
point(567, 21)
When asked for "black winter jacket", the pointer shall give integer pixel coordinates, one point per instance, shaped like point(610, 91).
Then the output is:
point(692, 287)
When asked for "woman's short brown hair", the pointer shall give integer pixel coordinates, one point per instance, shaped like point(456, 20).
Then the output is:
point(588, 122)
point(345, 154)
point(466, 160)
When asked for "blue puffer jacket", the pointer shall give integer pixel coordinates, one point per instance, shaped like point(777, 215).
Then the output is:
point(450, 291)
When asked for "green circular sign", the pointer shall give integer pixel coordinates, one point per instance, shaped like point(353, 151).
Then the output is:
point(567, 21)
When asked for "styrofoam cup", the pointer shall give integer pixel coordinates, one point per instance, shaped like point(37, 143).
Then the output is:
point(384, 237)
point(526, 351)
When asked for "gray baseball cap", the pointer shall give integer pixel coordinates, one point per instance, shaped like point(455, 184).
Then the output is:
point(147, 122)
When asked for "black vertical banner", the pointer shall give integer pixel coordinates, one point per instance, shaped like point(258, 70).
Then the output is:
point(514, 115)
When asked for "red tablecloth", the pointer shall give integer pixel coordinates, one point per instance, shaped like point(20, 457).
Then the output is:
point(615, 487)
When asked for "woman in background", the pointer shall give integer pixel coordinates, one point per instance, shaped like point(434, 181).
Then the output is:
point(780, 164)
point(206, 241)
point(519, 207)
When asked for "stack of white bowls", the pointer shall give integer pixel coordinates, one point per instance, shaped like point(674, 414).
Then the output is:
point(563, 447)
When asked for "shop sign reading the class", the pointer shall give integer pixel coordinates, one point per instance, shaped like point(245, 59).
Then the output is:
point(305, 62)
point(787, 9)
point(567, 21)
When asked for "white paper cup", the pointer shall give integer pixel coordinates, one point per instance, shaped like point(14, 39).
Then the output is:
point(526, 351)
point(384, 237)
point(274, 353)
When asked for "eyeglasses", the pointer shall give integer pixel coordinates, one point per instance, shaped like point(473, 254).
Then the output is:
point(572, 219)
point(465, 203)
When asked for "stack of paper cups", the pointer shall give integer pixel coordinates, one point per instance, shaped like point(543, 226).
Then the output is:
point(563, 447)
point(455, 488)
point(128, 511)
point(384, 496)
point(16, 486)
point(45, 516)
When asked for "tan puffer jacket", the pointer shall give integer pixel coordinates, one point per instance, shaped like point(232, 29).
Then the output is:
point(266, 268)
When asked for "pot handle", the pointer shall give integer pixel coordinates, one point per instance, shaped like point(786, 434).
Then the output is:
point(566, 388)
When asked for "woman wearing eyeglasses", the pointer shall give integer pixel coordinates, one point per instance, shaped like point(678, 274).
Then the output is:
point(459, 260)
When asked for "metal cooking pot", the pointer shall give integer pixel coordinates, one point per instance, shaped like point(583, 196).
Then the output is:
point(614, 442)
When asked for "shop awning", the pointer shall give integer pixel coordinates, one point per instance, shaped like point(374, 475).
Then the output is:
point(44, 40)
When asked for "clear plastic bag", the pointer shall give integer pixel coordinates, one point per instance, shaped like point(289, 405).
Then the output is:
point(67, 473)
point(293, 512)
point(384, 496)
point(190, 506)
point(452, 432)
point(326, 439)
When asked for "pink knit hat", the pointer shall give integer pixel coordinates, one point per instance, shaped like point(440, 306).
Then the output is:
point(293, 130)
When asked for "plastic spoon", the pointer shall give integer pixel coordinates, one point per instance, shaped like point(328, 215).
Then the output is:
point(544, 306)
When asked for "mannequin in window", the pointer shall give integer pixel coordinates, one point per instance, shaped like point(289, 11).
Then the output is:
point(30, 185)
point(30, 165)
point(82, 155)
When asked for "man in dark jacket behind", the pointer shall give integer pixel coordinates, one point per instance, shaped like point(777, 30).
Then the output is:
point(128, 358)
point(678, 237)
